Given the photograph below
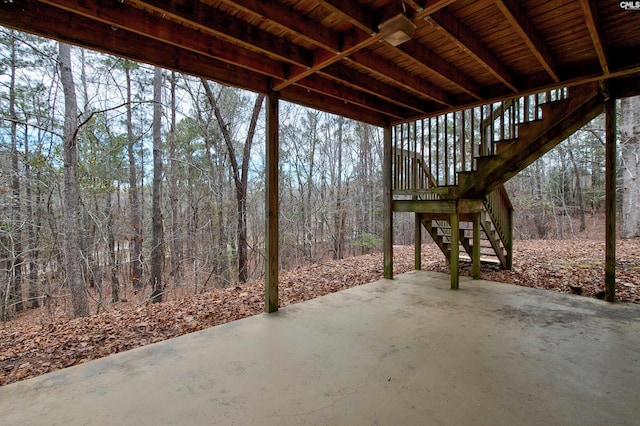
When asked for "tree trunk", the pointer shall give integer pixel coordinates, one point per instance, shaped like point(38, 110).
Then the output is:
point(156, 219)
point(176, 250)
point(579, 197)
point(240, 173)
point(339, 217)
point(15, 184)
point(630, 147)
point(135, 248)
point(71, 245)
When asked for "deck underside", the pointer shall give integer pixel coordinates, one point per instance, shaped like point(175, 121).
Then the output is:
point(407, 351)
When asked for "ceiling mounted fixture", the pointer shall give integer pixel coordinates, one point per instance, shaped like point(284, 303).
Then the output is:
point(397, 30)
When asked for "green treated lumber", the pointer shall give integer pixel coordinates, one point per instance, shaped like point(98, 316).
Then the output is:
point(610, 202)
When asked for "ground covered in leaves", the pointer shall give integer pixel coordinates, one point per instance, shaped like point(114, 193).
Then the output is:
point(33, 343)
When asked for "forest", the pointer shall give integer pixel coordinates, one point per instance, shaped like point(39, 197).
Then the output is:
point(119, 180)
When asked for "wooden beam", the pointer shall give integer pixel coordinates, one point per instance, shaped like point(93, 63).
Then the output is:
point(124, 16)
point(211, 20)
point(592, 20)
point(417, 262)
point(290, 19)
point(272, 252)
point(519, 20)
point(27, 15)
point(610, 201)
point(426, 58)
point(407, 81)
point(308, 98)
point(469, 43)
point(454, 261)
point(387, 201)
point(323, 59)
point(475, 258)
point(460, 206)
point(344, 94)
point(365, 18)
point(375, 87)
point(432, 6)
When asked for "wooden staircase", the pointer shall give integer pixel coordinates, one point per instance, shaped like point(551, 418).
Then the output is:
point(455, 179)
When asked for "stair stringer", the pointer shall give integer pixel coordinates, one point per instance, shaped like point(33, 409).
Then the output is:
point(560, 120)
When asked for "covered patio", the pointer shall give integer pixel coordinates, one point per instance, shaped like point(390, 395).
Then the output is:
point(402, 351)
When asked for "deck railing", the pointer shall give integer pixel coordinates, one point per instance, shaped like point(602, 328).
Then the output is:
point(500, 211)
point(450, 143)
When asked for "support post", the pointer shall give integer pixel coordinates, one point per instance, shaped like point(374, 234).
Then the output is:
point(510, 240)
point(476, 246)
point(272, 257)
point(610, 202)
point(387, 203)
point(455, 251)
point(418, 243)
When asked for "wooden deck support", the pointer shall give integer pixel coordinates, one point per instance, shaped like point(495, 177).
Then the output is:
point(455, 251)
point(476, 246)
point(387, 202)
point(610, 201)
point(418, 243)
point(272, 253)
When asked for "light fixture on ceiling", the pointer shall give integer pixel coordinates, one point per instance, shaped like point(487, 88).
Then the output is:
point(397, 30)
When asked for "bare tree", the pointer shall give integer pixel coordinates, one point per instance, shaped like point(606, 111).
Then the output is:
point(630, 147)
point(157, 257)
point(240, 172)
point(72, 254)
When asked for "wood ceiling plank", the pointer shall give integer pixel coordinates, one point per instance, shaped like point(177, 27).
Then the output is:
point(97, 35)
point(592, 20)
point(409, 82)
point(432, 6)
point(521, 23)
point(469, 43)
point(214, 21)
point(362, 17)
point(121, 15)
point(303, 96)
point(383, 91)
point(444, 69)
point(289, 18)
point(326, 87)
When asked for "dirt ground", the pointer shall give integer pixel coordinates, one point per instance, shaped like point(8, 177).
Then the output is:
point(43, 340)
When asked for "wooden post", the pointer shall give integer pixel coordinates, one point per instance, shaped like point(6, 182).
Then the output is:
point(387, 203)
point(476, 246)
point(455, 251)
point(610, 202)
point(271, 207)
point(418, 243)
point(510, 239)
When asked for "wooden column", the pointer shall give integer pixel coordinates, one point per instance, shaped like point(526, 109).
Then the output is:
point(387, 215)
point(455, 251)
point(271, 207)
point(610, 202)
point(476, 246)
point(418, 243)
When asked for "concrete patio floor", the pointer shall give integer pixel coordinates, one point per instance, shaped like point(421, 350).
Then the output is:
point(403, 352)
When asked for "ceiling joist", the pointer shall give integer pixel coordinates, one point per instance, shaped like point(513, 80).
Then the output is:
point(331, 55)
point(518, 19)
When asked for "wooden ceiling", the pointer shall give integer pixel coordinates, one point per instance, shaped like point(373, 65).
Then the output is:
point(331, 55)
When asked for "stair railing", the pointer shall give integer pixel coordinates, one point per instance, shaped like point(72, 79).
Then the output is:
point(500, 210)
point(447, 144)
